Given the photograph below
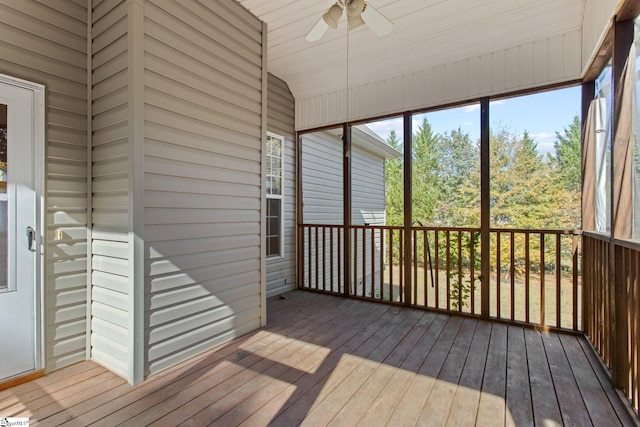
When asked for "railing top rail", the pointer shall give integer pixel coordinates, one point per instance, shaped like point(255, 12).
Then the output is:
point(535, 231)
point(462, 229)
point(634, 245)
point(596, 235)
point(435, 228)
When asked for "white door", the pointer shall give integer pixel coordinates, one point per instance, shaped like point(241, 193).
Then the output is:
point(19, 231)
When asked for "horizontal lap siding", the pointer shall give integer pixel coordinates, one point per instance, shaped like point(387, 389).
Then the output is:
point(110, 247)
point(321, 178)
point(202, 177)
point(368, 193)
point(281, 271)
point(47, 44)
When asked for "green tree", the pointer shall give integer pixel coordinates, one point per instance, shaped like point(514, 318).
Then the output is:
point(394, 184)
point(458, 173)
point(524, 193)
point(425, 181)
point(567, 157)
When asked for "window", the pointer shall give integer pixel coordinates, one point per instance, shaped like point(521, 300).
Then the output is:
point(275, 195)
point(603, 105)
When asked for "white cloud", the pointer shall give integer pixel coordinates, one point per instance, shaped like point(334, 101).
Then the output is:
point(543, 136)
point(384, 128)
point(544, 142)
point(471, 108)
point(546, 148)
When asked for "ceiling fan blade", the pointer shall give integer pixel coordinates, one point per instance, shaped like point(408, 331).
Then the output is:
point(378, 23)
point(317, 31)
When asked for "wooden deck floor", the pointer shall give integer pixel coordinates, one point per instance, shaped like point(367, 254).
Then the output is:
point(330, 361)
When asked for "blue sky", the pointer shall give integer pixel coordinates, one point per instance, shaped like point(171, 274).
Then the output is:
point(540, 114)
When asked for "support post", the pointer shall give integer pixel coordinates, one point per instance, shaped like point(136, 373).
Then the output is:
point(408, 207)
point(346, 197)
point(485, 213)
point(588, 185)
point(622, 41)
point(300, 270)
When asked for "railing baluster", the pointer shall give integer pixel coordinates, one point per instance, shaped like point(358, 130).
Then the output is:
point(460, 270)
point(558, 282)
point(415, 266)
point(354, 262)
point(512, 273)
point(364, 262)
point(425, 265)
point(317, 254)
point(448, 240)
point(402, 261)
point(436, 252)
point(498, 270)
point(340, 230)
point(472, 269)
point(542, 284)
point(391, 264)
point(310, 257)
point(331, 254)
point(324, 258)
point(382, 263)
point(527, 271)
point(575, 284)
point(373, 263)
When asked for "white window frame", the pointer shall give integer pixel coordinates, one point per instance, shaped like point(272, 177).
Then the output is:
point(280, 196)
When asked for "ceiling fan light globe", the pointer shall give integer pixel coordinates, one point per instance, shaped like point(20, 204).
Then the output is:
point(355, 22)
point(332, 16)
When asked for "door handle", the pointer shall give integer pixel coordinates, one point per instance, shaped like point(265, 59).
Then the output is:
point(31, 239)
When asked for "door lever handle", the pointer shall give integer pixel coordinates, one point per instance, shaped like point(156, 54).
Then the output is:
point(31, 239)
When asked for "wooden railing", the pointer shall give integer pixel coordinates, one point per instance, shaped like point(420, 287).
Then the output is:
point(534, 276)
point(612, 308)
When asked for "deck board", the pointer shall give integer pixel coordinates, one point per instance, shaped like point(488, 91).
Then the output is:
point(325, 360)
point(518, 391)
point(545, 404)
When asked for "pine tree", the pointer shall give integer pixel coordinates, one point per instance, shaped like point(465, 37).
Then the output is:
point(568, 155)
point(394, 184)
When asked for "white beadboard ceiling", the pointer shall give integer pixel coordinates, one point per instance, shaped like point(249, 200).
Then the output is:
point(426, 33)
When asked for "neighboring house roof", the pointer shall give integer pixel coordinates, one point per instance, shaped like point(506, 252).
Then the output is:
point(365, 138)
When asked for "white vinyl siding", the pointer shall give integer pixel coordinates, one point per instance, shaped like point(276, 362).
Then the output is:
point(367, 188)
point(281, 271)
point(322, 194)
point(368, 204)
point(46, 43)
point(202, 177)
point(110, 184)
point(321, 167)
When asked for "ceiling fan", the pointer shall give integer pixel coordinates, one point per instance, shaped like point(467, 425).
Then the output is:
point(358, 13)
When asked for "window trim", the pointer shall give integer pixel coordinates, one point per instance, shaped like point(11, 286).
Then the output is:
point(280, 196)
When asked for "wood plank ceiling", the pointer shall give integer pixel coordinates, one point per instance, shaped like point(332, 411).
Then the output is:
point(426, 33)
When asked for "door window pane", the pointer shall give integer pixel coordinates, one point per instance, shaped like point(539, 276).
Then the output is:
point(3, 197)
point(273, 226)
